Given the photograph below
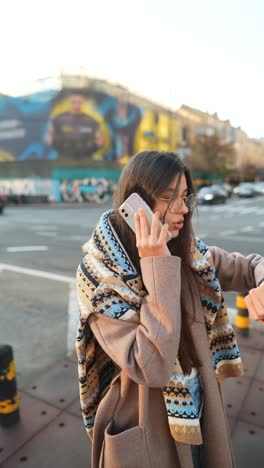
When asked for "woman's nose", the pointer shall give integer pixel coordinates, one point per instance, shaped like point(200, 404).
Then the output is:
point(184, 208)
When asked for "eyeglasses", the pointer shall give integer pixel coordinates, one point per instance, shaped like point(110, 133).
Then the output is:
point(176, 203)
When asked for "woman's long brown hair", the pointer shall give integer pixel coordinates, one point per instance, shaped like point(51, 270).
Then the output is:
point(149, 173)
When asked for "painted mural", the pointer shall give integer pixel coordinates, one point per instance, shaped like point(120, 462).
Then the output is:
point(81, 125)
point(87, 190)
point(22, 189)
point(95, 190)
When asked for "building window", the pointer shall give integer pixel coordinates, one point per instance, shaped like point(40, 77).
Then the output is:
point(223, 134)
point(199, 130)
point(232, 135)
point(184, 134)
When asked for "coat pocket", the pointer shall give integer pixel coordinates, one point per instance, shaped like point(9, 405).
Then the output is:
point(127, 449)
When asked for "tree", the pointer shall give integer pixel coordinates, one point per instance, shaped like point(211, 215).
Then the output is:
point(208, 154)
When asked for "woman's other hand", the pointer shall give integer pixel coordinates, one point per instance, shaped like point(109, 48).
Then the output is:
point(150, 240)
point(255, 303)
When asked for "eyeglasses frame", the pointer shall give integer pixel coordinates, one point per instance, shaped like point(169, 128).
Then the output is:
point(184, 199)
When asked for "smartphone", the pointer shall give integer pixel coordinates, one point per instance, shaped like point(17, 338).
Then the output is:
point(131, 206)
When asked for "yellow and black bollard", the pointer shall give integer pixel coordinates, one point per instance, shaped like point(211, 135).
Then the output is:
point(242, 318)
point(9, 400)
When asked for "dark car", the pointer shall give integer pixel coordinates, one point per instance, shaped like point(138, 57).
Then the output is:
point(2, 203)
point(245, 190)
point(227, 188)
point(211, 195)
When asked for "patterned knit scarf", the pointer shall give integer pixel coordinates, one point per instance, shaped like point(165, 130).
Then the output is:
point(107, 283)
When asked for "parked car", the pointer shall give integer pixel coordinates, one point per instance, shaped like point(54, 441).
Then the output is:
point(211, 195)
point(2, 203)
point(245, 190)
point(259, 188)
point(226, 187)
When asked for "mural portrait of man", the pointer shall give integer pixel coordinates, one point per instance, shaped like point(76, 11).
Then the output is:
point(73, 133)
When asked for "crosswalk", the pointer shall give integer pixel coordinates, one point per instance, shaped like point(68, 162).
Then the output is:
point(232, 209)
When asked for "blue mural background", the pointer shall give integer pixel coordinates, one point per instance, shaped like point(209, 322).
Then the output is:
point(24, 122)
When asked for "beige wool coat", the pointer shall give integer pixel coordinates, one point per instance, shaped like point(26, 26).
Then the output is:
point(131, 425)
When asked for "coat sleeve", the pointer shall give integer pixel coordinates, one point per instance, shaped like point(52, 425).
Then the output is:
point(237, 272)
point(146, 351)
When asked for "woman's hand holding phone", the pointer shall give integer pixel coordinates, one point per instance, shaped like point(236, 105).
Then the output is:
point(151, 240)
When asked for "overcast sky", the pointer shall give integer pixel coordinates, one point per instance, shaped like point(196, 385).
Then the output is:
point(204, 53)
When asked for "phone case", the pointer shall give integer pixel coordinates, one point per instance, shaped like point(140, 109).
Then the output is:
point(131, 206)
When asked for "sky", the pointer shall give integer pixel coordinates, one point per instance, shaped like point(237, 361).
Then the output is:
point(207, 54)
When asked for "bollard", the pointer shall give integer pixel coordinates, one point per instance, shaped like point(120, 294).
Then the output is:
point(242, 318)
point(9, 400)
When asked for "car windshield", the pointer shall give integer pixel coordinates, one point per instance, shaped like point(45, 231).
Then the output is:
point(205, 190)
point(246, 185)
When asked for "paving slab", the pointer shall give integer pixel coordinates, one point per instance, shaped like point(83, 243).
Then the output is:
point(252, 410)
point(234, 393)
point(260, 369)
point(248, 445)
point(250, 359)
point(255, 340)
point(75, 409)
point(232, 422)
point(62, 444)
point(58, 386)
point(34, 416)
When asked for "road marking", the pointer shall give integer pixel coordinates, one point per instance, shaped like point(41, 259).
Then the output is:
point(39, 273)
point(74, 238)
point(241, 238)
point(247, 229)
point(73, 317)
point(227, 233)
point(73, 314)
point(261, 224)
point(43, 228)
point(46, 234)
point(29, 248)
point(239, 210)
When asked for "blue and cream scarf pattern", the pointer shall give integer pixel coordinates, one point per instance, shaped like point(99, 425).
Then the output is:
point(108, 283)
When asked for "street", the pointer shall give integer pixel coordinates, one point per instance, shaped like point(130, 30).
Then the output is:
point(48, 239)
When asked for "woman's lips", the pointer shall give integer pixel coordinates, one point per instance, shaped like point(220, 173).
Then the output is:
point(178, 225)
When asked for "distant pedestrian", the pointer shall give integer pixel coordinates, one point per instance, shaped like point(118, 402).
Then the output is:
point(154, 338)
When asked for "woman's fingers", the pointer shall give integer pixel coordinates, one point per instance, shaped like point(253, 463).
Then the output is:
point(138, 230)
point(250, 308)
point(151, 240)
point(144, 227)
point(255, 305)
point(163, 233)
point(155, 228)
point(257, 301)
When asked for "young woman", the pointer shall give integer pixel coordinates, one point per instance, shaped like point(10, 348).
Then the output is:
point(154, 339)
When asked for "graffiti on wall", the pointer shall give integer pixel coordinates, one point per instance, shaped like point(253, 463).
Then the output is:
point(16, 189)
point(87, 190)
point(96, 190)
point(81, 126)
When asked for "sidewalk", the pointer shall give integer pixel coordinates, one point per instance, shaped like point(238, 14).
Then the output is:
point(51, 432)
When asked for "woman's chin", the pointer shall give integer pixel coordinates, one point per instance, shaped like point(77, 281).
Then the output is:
point(174, 232)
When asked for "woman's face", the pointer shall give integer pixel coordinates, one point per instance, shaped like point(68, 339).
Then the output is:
point(174, 220)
